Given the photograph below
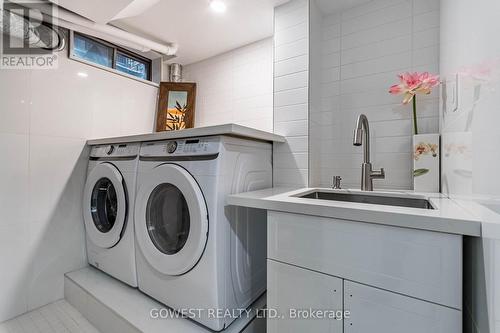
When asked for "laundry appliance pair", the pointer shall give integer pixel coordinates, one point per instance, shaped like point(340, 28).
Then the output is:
point(156, 219)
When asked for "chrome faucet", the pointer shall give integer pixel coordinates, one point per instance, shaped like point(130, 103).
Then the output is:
point(362, 137)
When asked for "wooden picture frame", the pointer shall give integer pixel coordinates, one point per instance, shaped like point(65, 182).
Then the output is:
point(176, 106)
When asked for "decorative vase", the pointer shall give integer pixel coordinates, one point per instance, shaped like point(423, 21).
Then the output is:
point(426, 162)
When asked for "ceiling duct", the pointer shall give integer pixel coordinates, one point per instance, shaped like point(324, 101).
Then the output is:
point(175, 73)
point(69, 20)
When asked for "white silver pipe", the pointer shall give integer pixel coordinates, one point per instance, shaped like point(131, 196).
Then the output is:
point(69, 20)
point(175, 74)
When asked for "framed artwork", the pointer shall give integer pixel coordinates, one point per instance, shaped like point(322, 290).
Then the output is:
point(175, 106)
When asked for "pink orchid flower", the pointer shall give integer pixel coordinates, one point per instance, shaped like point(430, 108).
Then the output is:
point(411, 84)
point(414, 83)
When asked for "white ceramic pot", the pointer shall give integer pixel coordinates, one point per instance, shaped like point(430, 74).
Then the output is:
point(426, 162)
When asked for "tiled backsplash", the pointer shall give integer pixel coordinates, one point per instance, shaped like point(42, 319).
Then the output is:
point(361, 50)
point(235, 87)
point(291, 93)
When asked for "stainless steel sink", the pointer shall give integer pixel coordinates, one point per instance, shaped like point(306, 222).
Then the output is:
point(370, 199)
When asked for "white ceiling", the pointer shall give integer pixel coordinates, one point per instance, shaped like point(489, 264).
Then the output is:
point(331, 6)
point(199, 32)
point(97, 10)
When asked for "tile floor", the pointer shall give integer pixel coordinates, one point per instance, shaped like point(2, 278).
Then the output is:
point(57, 317)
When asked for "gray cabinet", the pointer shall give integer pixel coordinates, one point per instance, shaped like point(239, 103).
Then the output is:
point(299, 294)
point(421, 264)
point(373, 310)
point(405, 280)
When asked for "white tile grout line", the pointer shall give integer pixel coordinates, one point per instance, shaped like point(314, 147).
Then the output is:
point(57, 317)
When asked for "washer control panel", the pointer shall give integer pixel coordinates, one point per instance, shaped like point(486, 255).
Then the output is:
point(181, 147)
point(116, 150)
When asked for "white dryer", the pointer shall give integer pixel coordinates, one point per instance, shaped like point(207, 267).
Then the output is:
point(193, 251)
point(108, 210)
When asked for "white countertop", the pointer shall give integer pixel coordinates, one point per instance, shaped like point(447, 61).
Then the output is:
point(487, 211)
point(227, 129)
point(448, 215)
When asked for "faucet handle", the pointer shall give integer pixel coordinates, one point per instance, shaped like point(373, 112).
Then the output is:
point(336, 182)
point(378, 174)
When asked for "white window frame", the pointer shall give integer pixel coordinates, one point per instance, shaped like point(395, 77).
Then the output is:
point(73, 56)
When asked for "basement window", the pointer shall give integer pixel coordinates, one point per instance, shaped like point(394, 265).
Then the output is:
point(109, 56)
point(130, 64)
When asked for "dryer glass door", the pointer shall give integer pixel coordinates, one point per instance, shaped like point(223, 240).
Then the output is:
point(167, 218)
point(171, 219)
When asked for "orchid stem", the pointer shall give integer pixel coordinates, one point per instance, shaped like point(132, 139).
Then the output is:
point(415, 127)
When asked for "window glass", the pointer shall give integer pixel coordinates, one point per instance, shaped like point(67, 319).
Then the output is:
point(132, 65)
point(111, 56)
point(93, 51)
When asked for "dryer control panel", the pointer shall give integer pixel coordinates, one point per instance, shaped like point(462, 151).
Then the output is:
point(181, 147)
point(116, 150)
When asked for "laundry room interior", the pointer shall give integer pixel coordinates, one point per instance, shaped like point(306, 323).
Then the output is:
point(249, 166)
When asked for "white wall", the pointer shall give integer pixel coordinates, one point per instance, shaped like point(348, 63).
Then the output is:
point(291, 93)
point(239, 86)
point(470, 48)
point(471, 134)
point(235, 87)
point(45, 118)
point(315, 93)
point(362, 51)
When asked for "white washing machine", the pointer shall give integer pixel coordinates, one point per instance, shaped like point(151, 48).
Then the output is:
point(108, 210)
point(193, 251)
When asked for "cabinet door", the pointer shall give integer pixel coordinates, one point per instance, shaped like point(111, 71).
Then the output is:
point(422, 264)
point(374, 310)
point(291, 289)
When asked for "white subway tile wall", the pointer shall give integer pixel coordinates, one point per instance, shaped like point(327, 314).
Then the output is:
point(235, 87)
point(46, 118)
point(316, 87)
point(291, 93)
point(362, 51)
